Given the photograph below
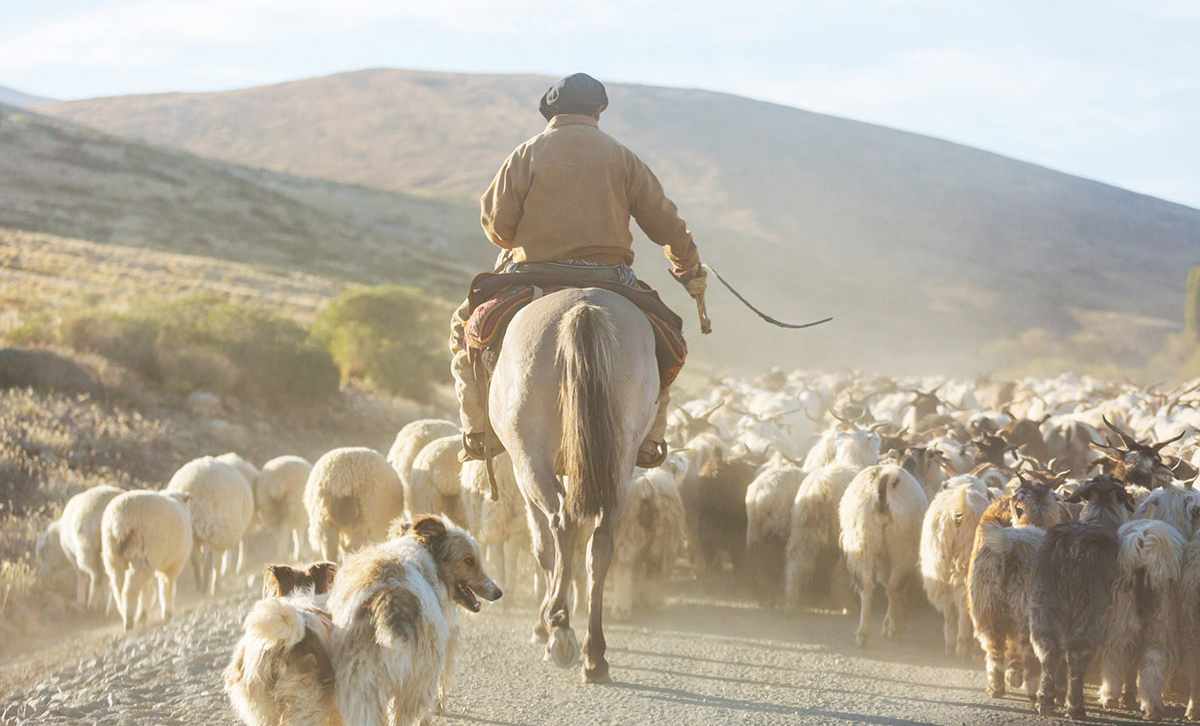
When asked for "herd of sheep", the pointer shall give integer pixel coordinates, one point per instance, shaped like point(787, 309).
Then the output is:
point(1051, 522)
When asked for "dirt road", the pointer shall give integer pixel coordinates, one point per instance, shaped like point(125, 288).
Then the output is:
point(699, 662)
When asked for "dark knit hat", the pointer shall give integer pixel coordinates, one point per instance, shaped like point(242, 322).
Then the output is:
point(578, 93)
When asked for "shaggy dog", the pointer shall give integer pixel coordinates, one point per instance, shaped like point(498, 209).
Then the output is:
point(395, 625)
point(281, 672)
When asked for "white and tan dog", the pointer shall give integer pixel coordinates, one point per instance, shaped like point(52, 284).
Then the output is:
point(281, 673)
point(395, 623)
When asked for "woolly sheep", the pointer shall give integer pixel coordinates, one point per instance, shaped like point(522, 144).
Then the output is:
point(647, 541)
point(880, 516)
point(1177, 506)
point(947, 538)
point(498, 526)
point(351, 496)
point(222, 505)
point(248, 470)
point(409, 442)
point(768, 526)
point(80, 536)
point(434, 480)
point(279, 501)
point(1140, 645)
point(856, 448)
point(145, 534)
point(814, 532)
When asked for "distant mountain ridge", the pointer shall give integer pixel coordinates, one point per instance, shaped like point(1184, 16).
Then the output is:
point(19, 99)
point(923, 249)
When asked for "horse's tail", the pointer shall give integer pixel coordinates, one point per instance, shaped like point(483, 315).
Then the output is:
point(587, 344)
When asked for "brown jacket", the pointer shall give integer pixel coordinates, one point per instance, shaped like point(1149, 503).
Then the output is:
point(568, 193)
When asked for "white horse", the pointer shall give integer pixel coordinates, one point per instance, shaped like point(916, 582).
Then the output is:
point(574, 393)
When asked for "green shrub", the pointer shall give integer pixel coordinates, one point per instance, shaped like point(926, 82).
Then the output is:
point(203, 342)
point(390, 336)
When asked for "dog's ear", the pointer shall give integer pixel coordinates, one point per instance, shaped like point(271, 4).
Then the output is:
point(280, 580)
point(322, 574)
point(429, 528)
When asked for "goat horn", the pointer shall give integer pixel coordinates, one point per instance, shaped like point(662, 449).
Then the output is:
point(1129, 441)
point(1162, 444)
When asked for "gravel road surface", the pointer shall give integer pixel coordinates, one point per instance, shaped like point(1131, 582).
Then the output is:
point(700, 661)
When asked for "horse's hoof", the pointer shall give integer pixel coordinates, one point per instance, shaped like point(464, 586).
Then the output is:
point(597, 675)
point(860, 639)
point(539, 635)
point(562, 649)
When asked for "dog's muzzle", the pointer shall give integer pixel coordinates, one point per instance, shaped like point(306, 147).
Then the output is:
point(466, 596)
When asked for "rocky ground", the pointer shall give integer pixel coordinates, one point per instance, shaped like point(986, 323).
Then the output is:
point(700, 661)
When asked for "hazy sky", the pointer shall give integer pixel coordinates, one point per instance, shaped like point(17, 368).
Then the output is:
point(1108, 90)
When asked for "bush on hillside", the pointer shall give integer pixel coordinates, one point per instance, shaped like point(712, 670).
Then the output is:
point(203, 342)
point(390, 336)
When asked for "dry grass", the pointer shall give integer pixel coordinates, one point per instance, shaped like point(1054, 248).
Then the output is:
point(46, 273)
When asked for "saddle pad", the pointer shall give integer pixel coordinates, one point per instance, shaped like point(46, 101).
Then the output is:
point(490, 319)
point(486, 326)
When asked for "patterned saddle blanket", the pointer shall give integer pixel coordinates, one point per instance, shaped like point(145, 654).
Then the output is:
point(496, 298)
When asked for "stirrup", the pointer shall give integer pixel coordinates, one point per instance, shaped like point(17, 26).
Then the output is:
point(479, 446)
point(652, 454)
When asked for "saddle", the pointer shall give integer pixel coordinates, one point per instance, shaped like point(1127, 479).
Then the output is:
point(496, 297)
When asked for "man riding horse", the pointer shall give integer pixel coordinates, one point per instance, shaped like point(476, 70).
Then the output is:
point(561, 203)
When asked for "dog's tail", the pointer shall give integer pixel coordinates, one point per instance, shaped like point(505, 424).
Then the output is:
point(587, 342)
point(275, 622)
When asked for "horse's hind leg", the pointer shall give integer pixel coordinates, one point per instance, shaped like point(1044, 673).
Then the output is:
point(562, 647)
point(543, 565)
point(600, 552)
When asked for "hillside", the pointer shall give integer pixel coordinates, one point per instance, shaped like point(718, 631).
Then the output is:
point(62, 179)
point(926, 251)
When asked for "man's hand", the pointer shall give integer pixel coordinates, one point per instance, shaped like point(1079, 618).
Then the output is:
point(695, 280)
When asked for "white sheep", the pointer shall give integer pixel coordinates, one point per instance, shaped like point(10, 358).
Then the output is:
point(880, 516)
point(80, 536)
point(947, 537)
point(498, 526)
point(248, 470)
point(769, 501)
point(144, 534)
point(279, 500)
point(434, 479)
point(352, 495)
point(814, 532)
point(409, 442)
point(1177, 506)
point(221, 501)
point(647, 541)
point(1140, 646)
point(859, 447)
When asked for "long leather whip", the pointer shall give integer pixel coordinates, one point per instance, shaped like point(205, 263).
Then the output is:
point(706, 323)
